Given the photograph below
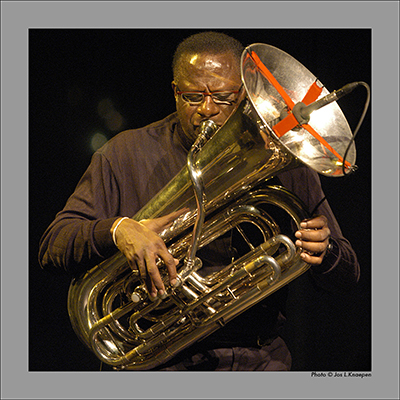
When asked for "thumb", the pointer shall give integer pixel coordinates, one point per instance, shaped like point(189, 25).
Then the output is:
point(159, 224)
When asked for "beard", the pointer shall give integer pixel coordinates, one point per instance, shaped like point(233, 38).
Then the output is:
point(187, 136)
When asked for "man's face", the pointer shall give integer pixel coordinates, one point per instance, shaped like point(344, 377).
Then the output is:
point(206, 73)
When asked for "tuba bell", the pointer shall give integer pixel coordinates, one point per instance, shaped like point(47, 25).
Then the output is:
point(224, 187)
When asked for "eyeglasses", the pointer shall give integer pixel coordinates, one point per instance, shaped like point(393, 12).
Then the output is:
point(219, 96)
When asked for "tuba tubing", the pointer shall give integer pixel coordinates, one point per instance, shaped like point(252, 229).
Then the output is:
point(223, 187)
point(233, 161)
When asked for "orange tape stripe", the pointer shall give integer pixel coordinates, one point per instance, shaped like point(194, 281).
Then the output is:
point(313, 92)
point(284, 126)
point(290, 121)
point(325, 143)
point(264, 70)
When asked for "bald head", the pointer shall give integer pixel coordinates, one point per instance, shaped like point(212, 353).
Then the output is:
point(211, 43)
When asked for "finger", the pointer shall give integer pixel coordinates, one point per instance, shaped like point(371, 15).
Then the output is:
point(160, 223)
point(311, 259)
point(174, 215)
point(138, 265)
point(152, 290)
point(312, 247)
point(313, 235)
point(317, 222)
point(171, 264)
point(154, 275)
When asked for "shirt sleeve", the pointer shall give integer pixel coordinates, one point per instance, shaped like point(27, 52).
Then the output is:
point(340, 269)
point(79, 237)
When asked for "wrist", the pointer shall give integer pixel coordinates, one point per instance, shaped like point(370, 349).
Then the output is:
point(332, 253)
point(329, 248)
point(114, 228)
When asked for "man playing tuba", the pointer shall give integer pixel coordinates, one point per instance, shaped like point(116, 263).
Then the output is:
point(135, 165)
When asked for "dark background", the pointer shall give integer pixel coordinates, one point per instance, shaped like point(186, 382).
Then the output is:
point(72, 72)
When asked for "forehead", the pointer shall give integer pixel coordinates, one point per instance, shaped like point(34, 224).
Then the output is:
point(209, 69)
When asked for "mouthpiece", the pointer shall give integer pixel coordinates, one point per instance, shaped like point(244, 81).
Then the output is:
point(207, 129)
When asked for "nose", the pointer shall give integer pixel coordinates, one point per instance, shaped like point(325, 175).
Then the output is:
point(208, 108)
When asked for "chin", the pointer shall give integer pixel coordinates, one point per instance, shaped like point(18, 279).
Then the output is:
point(194, 133)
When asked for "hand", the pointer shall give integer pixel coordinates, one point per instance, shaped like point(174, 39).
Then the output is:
point(142, 246)
point(313, 239)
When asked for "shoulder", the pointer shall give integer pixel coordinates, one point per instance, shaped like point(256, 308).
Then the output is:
point(154, 132)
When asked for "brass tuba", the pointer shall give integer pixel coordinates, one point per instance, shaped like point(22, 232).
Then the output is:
point(222, 188)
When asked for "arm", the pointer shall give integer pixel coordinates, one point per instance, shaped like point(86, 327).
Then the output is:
point(83, 233)
point(79, 237)
point(141, 245)
point(338, 270)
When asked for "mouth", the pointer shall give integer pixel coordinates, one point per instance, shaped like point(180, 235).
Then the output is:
point(197, 127)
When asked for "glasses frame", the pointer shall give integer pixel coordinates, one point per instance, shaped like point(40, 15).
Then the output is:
point(211, 94)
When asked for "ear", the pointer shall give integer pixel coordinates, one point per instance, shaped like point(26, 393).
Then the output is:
point(174, 87)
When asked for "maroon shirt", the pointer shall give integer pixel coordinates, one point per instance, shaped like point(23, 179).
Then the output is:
point(127, 172)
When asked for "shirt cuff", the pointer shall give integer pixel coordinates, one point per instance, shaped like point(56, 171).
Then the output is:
point(102, 236)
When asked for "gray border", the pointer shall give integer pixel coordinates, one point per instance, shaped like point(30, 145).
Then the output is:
point(17, 17)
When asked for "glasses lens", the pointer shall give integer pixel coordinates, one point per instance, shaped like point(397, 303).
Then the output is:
point(192, 97)
point(224, 97)
point(218, 97)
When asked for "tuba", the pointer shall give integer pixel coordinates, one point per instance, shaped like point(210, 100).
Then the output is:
point(224, 187)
